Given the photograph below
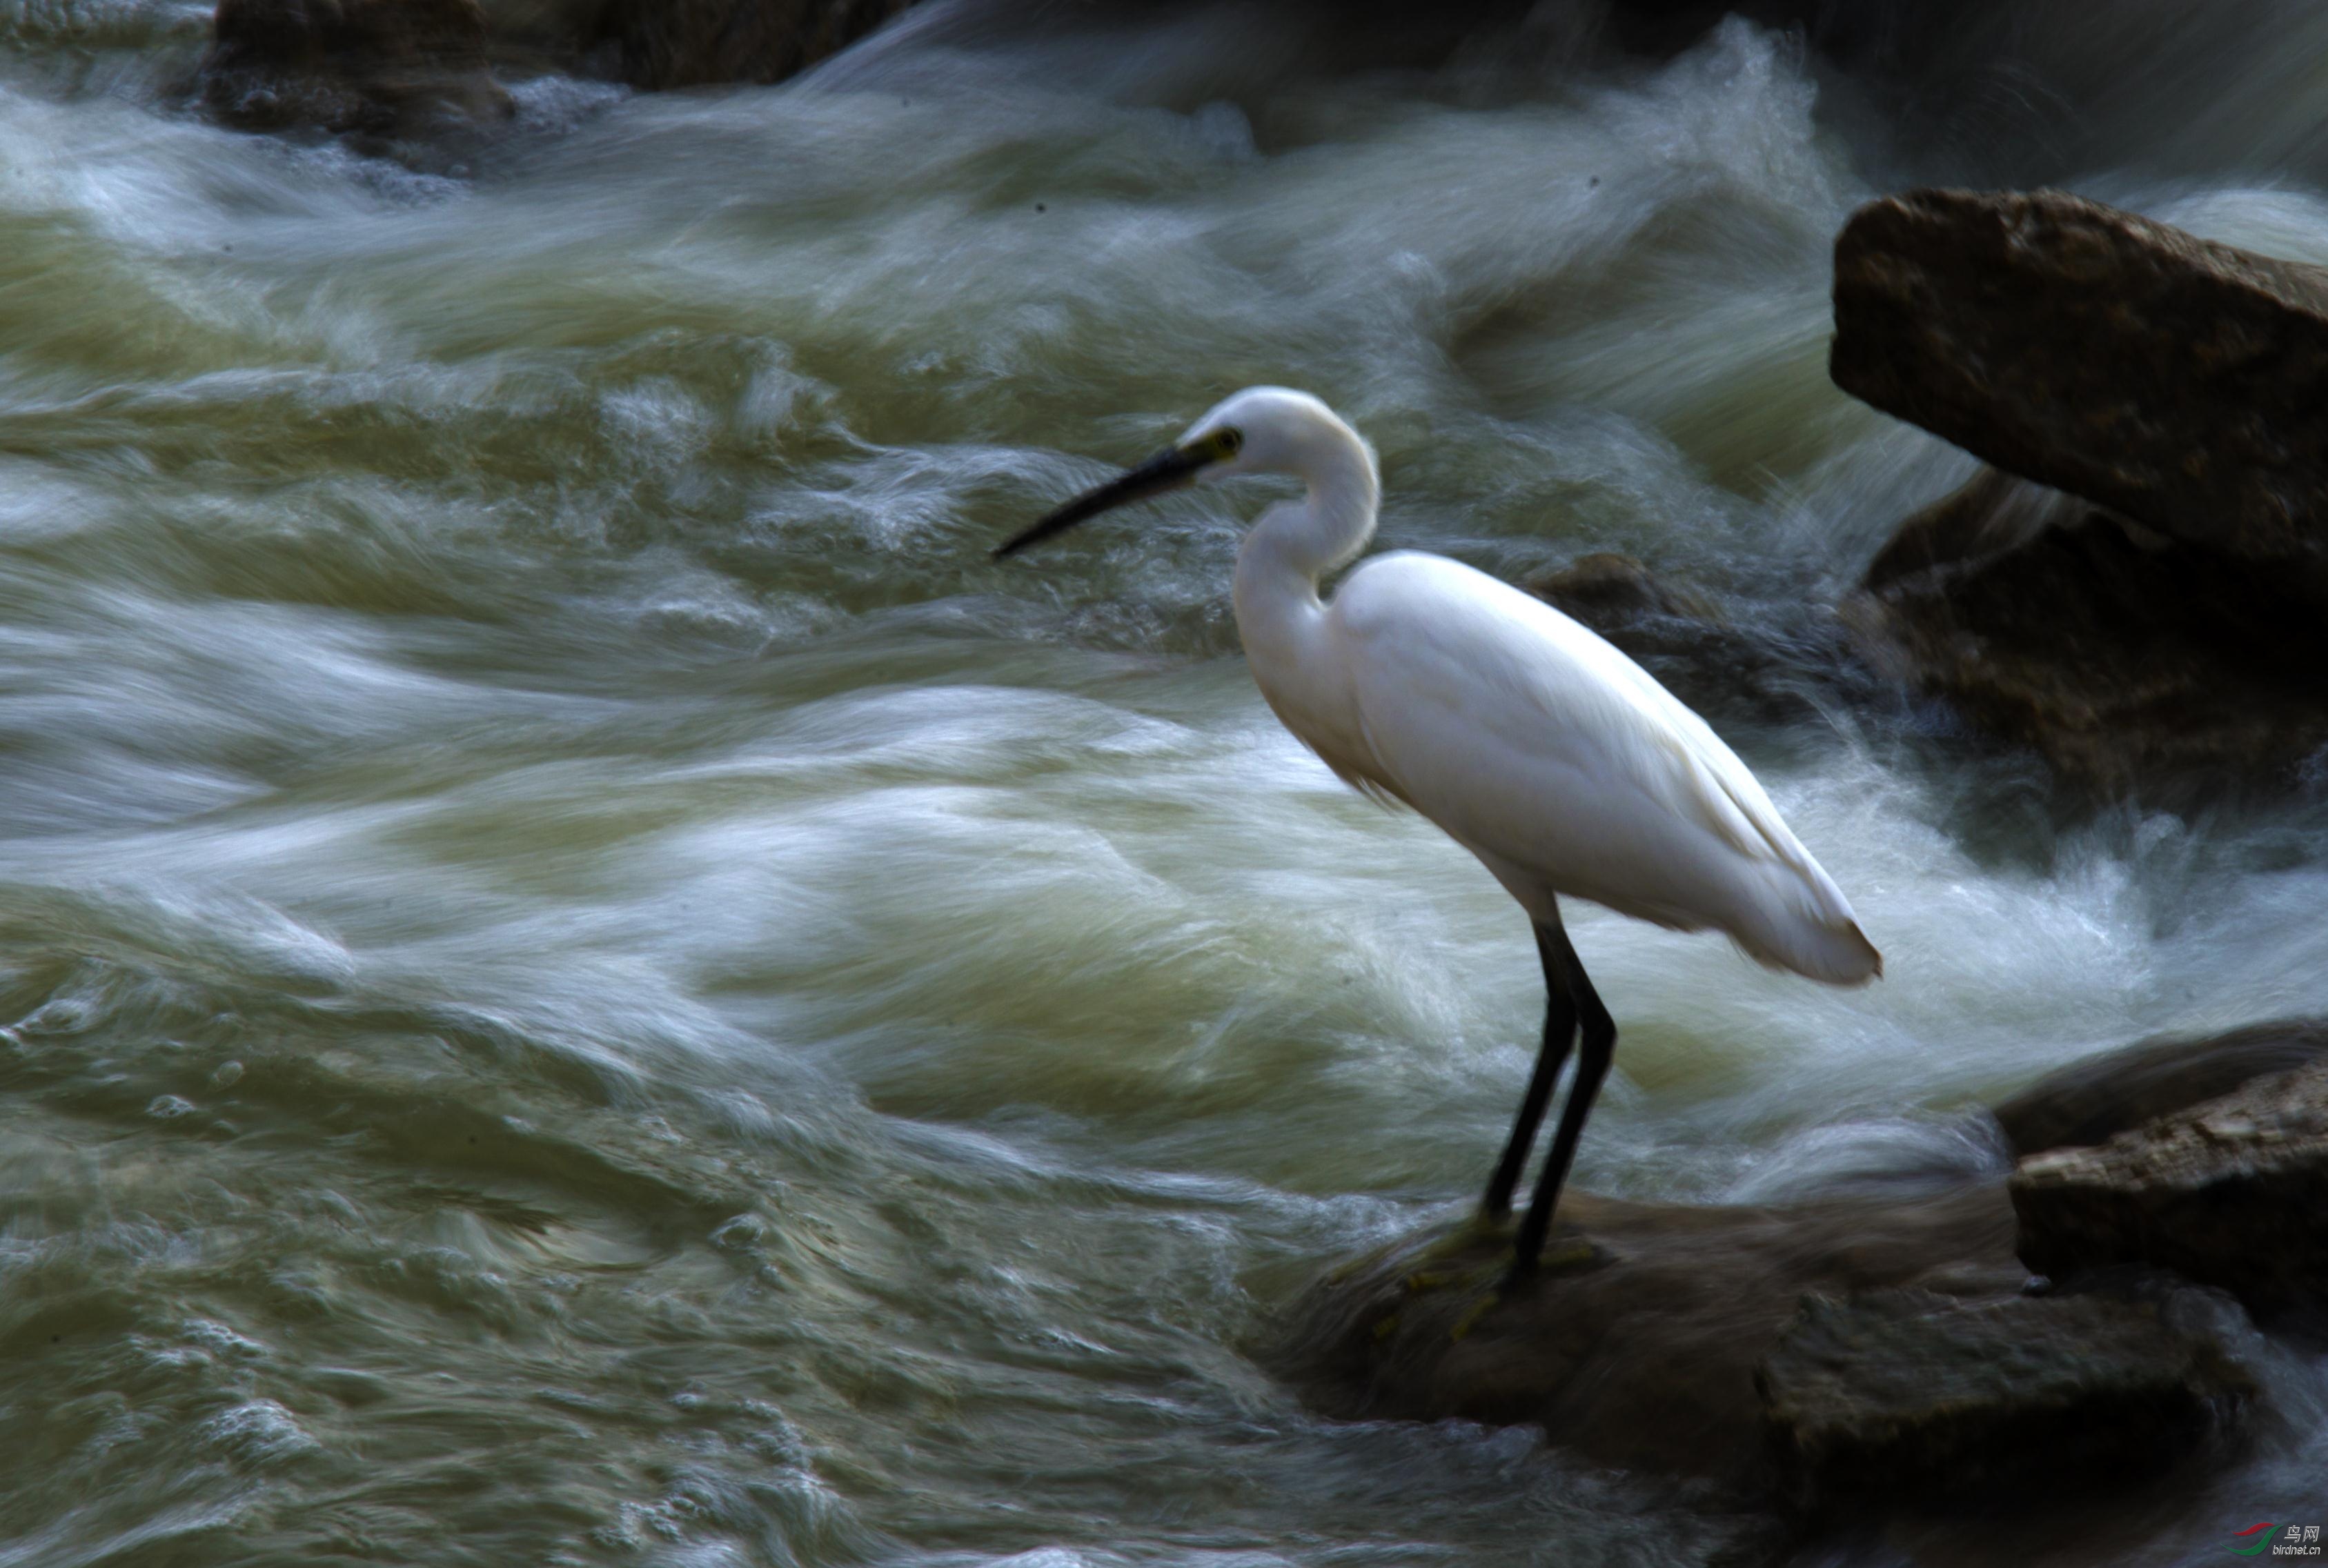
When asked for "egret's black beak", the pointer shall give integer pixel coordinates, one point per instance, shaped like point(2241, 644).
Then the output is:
point(1168, 470)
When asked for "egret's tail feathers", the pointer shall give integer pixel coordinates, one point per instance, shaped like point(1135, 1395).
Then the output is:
point(1838, 953)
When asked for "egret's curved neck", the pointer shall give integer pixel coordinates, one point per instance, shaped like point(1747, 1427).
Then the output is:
point(1295, 543)
point(1287, 645)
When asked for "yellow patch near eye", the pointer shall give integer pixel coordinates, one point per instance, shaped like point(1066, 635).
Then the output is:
point(1228, 443)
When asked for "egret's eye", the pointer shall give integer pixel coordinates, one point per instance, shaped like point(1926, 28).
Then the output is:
point(1229, 442)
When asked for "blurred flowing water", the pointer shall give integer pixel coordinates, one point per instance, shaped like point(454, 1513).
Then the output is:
point(585, 980)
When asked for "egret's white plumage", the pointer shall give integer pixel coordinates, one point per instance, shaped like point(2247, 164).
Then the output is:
point(1547, 753)
point(1554, 758)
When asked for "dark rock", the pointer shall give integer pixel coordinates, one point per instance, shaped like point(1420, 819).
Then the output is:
point(1637, 1344)
point(1609, 592)
point(2137, 665)
point(393, 70)
point(1883, 1352)
point(669, 43)
point(2180, 382)
point(1725, 670)
point(393, 74)
point(2092, 1101)
point(1898, 1397)
point(2231, 1192)
point(1989, 517)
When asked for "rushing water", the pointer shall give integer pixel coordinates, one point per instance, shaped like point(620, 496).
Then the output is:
point(585, 980)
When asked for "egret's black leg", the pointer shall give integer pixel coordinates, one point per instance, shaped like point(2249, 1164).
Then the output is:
point(1559, 1029)
point(1600, 1044)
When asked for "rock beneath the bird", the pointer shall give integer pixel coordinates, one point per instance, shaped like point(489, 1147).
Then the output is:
point(1636, 1344)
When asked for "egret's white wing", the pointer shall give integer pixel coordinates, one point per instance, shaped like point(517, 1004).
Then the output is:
point(1554, 755)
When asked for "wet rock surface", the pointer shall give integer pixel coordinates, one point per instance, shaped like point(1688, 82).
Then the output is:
point(1637, 1343)
point(2231, 1192)
point(2137, 664)
point(1907, 1395)
point(2180, 382)
point(2092, 1101)
point(1820, 1360)
point(1883, 1353)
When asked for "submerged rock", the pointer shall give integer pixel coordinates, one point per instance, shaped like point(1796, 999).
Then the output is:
point(1638, 1342)
point(1607, 591)
point(1907, 1396)
point(1721, 669)
point(2231, 1192)
point(2137, 664)
point(2092, 1101)
point(2177, 382)
point(390, 71)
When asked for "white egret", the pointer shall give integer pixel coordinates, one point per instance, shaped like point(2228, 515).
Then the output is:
point(1554, 758)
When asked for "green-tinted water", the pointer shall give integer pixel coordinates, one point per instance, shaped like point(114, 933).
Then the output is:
point(587, 981)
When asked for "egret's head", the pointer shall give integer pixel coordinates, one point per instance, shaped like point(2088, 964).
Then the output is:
point(1260, 430)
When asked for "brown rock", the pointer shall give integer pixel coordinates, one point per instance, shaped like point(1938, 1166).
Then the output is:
point(2137, 664)
point(668, 44)
point(396, 69)
point(1908, 1397)
point(2092, 1101)
point(2180, 382)
point(1637, 1344)
point(1882, 1352)
point(2231, 1192)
